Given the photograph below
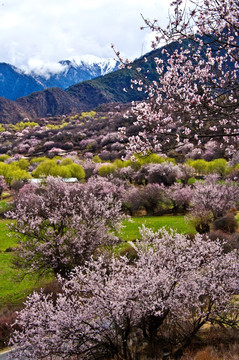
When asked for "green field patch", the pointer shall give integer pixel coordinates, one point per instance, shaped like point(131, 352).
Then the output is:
point(13, 288)
point(7, 240)
point(130, 230)
point(5, 205)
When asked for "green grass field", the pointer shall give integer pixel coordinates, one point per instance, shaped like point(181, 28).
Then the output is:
point(13, 291)
point(6, 241)
point(130, 230)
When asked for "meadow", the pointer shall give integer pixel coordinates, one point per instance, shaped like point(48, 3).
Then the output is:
point(130, 228)
point(14, 288)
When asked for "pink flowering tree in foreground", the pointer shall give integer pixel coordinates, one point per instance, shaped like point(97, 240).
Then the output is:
point(111, 309)
point(61, 225)
point(195, 98)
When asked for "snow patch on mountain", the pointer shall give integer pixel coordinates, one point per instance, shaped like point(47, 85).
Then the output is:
point(105, 64)
point(94, 65)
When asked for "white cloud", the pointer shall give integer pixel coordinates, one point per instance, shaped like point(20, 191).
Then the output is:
point(53, 30)
point(43, 68)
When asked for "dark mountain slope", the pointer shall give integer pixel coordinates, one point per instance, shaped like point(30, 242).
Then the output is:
point(111, 86)
point(14, 83)
point(49, 102)
point(11, 112)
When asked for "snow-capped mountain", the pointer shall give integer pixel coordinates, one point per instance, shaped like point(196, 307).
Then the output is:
point(69, 72)
point(15, 83)
point(96, 64)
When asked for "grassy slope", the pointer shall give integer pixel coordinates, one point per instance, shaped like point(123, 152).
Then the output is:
point(130, 230)
point(6, 240)
point(12, 290)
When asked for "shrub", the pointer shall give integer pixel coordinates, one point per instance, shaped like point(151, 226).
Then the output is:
point(187, 172)
point(45, 168)
point(201, 220)
point(200, 166)
point(66, 161)
point(129, 252)
point(62, 171)
point(7, 319)
point(140, 177)
point(230, 241)
point(106, 170)
point(234, 175)
point(23, 125)
point(77, 171)
point(215, 197)
point(4, 157)
point(65, 169)
point(218, 166)
point(205, 354)
point(226, 223)
point(89, 114)
point(151, 197)
point(180, 196)
point(166, 173)
point(96, 159)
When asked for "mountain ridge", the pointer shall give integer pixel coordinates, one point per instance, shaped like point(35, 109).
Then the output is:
point(87, 95)
point(74, 71)
point(16, 82)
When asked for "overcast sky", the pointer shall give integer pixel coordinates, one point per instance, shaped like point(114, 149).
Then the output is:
point(33, 32)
